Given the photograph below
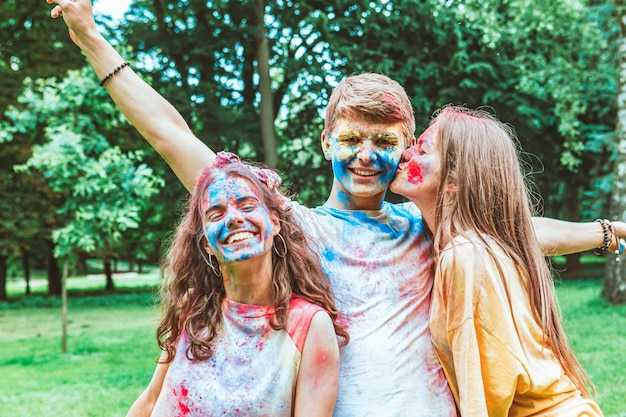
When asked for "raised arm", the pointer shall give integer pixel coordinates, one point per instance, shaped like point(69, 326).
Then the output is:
point(151, 114)
point(558, 237)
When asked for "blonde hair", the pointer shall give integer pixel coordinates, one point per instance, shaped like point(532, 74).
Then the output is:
point(479, 155)
point(371, 97)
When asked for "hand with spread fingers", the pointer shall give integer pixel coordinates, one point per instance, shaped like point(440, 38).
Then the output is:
point(78, 16)
point(149, 112)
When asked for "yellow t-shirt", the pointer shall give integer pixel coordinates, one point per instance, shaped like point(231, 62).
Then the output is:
point(488, 342)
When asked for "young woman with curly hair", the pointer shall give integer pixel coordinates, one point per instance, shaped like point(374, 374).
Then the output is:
point(249, 322)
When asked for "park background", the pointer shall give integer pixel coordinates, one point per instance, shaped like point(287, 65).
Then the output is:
point(81, 191)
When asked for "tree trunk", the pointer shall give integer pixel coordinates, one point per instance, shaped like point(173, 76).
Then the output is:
point(81, 264)
point(3, 277)
point(108, 273)
point(266, 107)
point(26, 268)
point(573, 267)
point(614, 289)
point(54, 272)
point(64, 319)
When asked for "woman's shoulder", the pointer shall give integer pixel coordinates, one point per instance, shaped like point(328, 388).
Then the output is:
point(466, 244)
point(301, 313)
point(472, 250)
point(302, 306)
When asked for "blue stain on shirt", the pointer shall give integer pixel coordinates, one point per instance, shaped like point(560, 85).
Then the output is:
point(388, 222)
point(328, 254)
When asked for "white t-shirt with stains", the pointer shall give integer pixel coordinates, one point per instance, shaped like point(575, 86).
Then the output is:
point(379, 265)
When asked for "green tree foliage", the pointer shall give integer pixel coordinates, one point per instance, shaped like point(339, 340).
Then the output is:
point(104, 189)
point(31, 45)
point(216, 84)
point(546, 67)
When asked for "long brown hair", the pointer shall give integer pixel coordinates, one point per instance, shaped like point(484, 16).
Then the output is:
point(192, 293)
point(480, 156)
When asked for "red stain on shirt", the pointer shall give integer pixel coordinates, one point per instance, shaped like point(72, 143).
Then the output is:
point(183, 409)
point(344, 320)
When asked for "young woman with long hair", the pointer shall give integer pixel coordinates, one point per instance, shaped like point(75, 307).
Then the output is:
point(494, 317)
point(249, 322)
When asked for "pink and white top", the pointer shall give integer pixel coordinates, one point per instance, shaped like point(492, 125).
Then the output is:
point(253, 369)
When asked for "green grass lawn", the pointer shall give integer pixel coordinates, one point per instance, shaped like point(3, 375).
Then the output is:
point(112, 350)
point(598, 333)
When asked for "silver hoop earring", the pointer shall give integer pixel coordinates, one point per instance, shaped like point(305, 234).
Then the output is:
point(282, 255)
point(217, 271)
point(208, 260)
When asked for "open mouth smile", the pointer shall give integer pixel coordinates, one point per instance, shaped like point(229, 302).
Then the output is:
point(238, 237)
point(365, 172)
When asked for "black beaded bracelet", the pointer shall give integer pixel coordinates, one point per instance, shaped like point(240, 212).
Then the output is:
point(112, 73)
point(607, 240)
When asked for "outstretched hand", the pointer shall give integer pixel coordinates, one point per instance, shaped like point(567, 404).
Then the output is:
point(619, 228)
point(150, 113)
point(78, 16)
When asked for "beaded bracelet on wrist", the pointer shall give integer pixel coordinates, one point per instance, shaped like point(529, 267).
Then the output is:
point(610, 235)
point(112, 73)
point(601, 251)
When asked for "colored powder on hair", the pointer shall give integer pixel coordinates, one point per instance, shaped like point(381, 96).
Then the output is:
point(392, 102)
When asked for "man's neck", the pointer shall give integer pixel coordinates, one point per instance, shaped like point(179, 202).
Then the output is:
point(343, 201)
point(427, 208)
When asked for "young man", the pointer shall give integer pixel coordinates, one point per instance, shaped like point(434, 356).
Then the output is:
point(376, 254)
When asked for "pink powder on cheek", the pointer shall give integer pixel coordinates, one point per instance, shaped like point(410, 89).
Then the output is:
point(414, 173)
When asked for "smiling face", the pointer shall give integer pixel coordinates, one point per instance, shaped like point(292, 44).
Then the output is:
point(236, 223)
point(419, 173)
point(364, 157)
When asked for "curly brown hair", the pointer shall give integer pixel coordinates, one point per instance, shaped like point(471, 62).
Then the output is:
point(192, 293)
